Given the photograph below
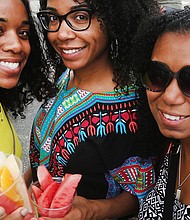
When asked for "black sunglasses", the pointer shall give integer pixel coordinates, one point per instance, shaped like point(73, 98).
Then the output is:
point(156, 76)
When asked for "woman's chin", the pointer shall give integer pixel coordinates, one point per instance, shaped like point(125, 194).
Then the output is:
point(9, 85)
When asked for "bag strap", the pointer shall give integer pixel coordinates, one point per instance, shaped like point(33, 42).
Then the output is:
point(170, 187)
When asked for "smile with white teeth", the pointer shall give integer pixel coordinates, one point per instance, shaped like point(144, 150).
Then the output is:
point(72, 51)
point(172, 117)
point(9, 65)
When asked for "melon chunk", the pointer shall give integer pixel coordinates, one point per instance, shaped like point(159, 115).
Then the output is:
point(44, 177)
point(36, 192)
point(54, 195)
point(8, 204)
point(44, 201)
point(64, 194)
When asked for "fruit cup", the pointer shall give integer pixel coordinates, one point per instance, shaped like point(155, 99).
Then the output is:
point(13, 191)
point(43, 205)
point(53, 196)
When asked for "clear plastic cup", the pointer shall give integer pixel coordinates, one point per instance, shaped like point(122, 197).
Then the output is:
point(50, 212)
point(53, 213)
point(13, 190)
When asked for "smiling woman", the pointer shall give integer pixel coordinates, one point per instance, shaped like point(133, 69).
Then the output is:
point(18, 82)
point(90, 126)
point(164, 69)
point(23, 75)
point(14, 43)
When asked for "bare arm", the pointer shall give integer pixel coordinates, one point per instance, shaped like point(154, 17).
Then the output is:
point(122, 205)
point(83, 209)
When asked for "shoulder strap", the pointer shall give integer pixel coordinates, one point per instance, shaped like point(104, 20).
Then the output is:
point(170, 187)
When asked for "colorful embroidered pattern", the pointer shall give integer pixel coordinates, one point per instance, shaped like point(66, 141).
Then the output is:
point(74, 125)
point(153, 206)
point(136, 176)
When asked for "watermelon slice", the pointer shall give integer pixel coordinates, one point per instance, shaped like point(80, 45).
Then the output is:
point(65, 194)
point(46, 197)
point(66, 191)
point(36, 192)
point(8, 204)
point(54, 199)
point(44, 177)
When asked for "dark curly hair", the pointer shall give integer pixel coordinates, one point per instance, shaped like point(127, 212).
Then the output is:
point(148, 33)
point(121, 19)
point(34, 81)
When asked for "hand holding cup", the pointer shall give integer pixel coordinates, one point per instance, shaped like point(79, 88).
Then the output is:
point(13, 191)
point(53, 196)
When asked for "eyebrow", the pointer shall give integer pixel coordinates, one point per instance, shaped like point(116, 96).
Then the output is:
point(26, 22)
point(72, 8)
point(3, 19)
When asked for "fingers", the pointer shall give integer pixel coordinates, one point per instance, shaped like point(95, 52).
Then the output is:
point(2, 212)
point(18, 214)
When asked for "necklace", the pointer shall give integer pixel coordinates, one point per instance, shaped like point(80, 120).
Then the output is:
point(178, 192)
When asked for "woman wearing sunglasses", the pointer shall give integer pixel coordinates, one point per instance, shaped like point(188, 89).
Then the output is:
point(165, 76)
point(90, 126)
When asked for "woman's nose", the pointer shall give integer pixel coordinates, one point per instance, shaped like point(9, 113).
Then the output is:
point(65, 32)
point(11, 42)
point(173, 94)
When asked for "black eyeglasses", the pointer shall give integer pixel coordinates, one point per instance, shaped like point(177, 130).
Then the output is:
point(156, 76)
point(77, 20)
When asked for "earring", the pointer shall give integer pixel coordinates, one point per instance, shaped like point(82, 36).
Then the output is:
point(114, 49)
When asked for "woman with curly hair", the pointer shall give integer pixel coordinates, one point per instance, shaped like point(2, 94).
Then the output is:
point(22, 75)
point(90, 126)
point(163, 65)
